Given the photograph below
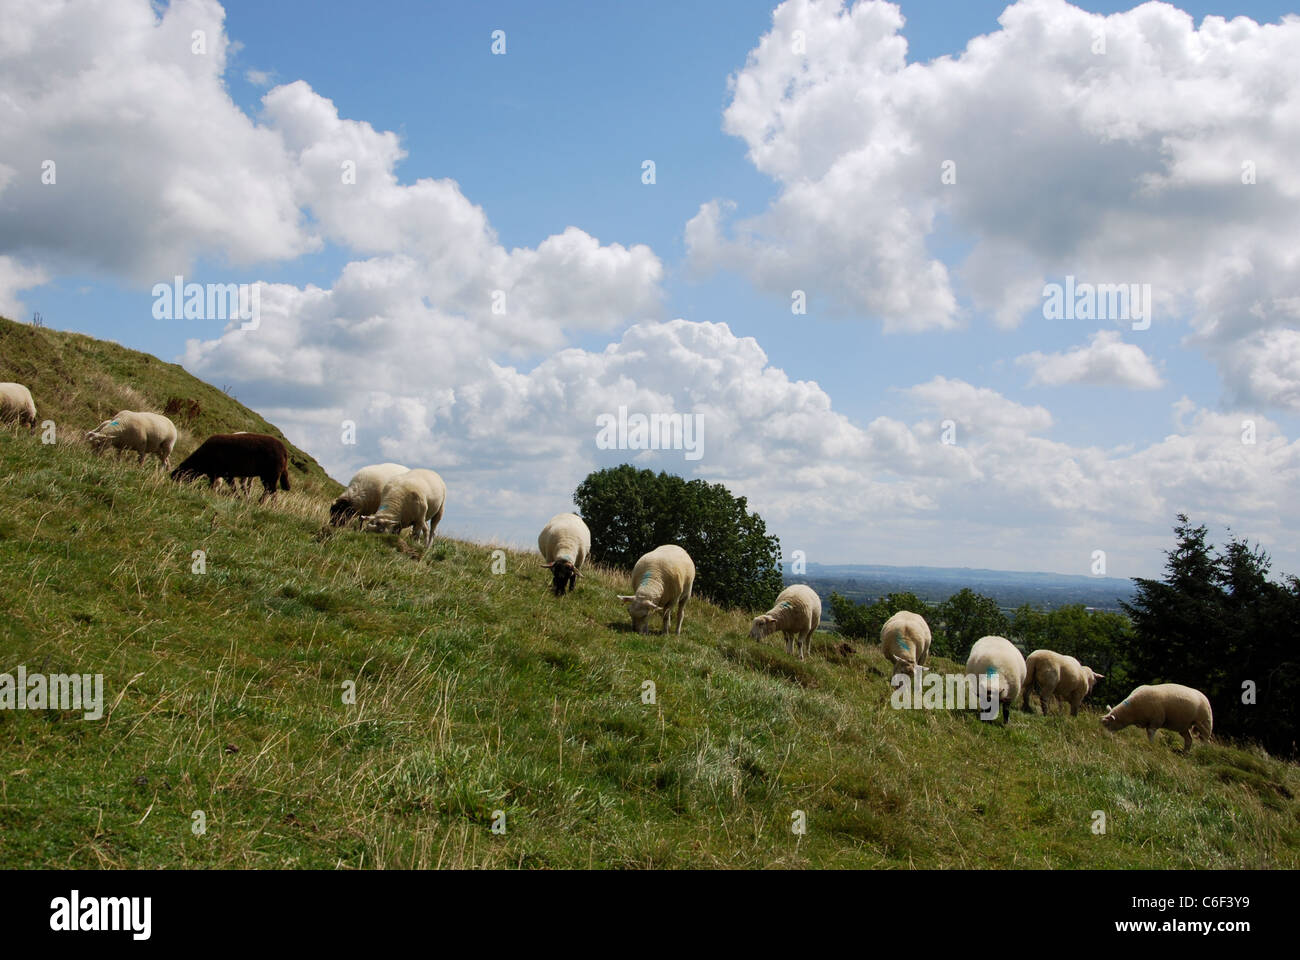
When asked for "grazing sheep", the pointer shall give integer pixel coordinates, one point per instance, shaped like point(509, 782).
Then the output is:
point(662, 577)
point(1059, 675)
point(362, 495)
point(145, 433)
point(905, 641)
point(228, 456)
point(564, 543)
point(413, 499)
point(997, 664)
point(796, 613)
point(1164, 706)
point(16, 403)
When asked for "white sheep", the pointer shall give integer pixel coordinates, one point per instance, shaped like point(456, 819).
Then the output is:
point(361, 498)
point(1000, 669)
point(16, 403)
point(662, 577)
point(905, 641)
point(1164, 706)
point(413, 499)
point(1058, 675)
point(144, 433)
point(796, 613)
point(565, 543)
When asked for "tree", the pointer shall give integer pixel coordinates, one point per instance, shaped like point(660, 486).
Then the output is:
point(966, 616)
point(631, 511)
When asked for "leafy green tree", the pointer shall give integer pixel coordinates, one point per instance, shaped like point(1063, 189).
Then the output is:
point(965, 617)
point(631, 511)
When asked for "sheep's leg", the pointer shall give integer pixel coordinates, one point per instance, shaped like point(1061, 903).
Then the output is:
point(681, 614)
point(1074, 708)
point(1187, 740)
point(1151, 734)
point(140, 462)
point(788, 644)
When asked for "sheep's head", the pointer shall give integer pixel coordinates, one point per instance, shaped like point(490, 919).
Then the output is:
point(641, 609)
point(341, 512)
point(1112, 720)
point(377, 524)
point(563, 575)
point(762, 626)
point(1092, 677)
point(904, 663)
point(96, 439)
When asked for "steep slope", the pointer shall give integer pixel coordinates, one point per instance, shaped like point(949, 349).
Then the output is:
point(78, 382)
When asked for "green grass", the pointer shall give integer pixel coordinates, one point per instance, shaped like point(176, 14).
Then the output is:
point(478, 692)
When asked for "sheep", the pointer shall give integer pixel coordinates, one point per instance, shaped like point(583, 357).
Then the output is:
point(227, 456)
point(564, 543)
point(1059, 675)
point(145, 433)
point(1164, 706)
point(363, 492)
point(796, 613)
point(1000, 667)
point(662, 577)
point(413, 499)
point(905, 641)
point(16, 403)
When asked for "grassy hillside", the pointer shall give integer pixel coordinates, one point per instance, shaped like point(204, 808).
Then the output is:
point(476, 691)
point(78, 382)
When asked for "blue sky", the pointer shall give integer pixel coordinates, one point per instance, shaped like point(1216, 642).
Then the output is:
point(553, 134)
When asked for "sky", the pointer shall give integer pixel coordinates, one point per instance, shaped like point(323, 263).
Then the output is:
point(841, 268)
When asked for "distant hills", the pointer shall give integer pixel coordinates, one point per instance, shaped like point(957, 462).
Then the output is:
point(1010, 588)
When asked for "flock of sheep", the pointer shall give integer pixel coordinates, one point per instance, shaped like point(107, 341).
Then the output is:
point(1008, 676)
point(388, 498)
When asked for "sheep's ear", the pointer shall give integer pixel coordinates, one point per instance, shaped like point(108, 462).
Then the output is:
point(548, 565)
point(1100, 676)
point(626, 599)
